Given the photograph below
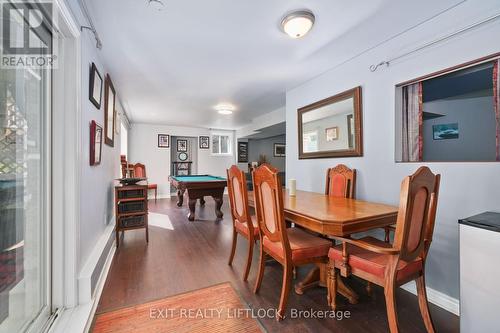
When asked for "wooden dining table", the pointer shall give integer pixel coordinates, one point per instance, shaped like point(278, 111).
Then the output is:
point(332, 216)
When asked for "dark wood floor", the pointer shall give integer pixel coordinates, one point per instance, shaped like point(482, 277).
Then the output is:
point(194, 255)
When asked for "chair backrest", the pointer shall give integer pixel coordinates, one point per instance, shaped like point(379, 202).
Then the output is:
point(238, 196)
point(139, 170)
point(341, 182)
point(417, 214)
point(269, 205)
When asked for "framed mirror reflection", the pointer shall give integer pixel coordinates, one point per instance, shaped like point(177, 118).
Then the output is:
point(332, 127)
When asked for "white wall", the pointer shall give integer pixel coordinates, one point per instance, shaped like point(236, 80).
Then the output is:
point(143, 148)
point(467, 188)
point(97, 182)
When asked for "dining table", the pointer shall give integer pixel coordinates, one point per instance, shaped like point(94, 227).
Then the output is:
point(331, 217)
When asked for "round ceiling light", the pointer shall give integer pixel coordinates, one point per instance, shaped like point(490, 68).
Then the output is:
point(297, 24)
point(224, 109)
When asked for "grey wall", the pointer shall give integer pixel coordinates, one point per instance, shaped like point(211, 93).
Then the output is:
point(466, 188)
point(476, 126)
point(266, 147)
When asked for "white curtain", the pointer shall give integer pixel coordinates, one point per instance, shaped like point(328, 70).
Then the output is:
point(411, 109)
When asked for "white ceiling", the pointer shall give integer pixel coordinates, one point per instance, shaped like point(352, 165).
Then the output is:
point(173, 66)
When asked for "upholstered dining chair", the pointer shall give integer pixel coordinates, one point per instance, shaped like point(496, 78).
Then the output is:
point(341, 181)
point(289, 246)
point(392, 265)
point(140, 172)
point(243, 223)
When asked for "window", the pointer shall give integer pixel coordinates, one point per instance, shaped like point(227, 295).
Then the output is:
point(221, 144)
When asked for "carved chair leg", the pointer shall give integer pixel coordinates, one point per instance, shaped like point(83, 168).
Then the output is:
point(249, 259)
point(285, 291)
point(233, 247)
point(332, 285)
point(390, 302)
point(369, 288)
point(260, 274)
point(424, 305)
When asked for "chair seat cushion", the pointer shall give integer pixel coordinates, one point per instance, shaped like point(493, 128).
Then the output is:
point(371, 262)
point(242, 228)
point(303, 245)
point(152, 186)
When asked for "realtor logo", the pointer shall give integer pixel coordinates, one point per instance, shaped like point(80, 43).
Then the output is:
point(27, 34)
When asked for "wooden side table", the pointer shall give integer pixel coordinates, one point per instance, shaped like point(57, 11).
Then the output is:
point(131, 209)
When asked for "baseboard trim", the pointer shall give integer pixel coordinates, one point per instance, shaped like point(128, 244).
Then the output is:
point(444, 301)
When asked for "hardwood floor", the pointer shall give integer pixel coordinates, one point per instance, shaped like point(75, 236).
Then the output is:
point(192, 255)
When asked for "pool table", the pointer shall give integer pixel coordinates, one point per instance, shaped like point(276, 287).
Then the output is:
point(198, 187)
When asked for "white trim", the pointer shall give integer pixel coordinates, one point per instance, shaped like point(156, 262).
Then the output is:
point(79, 319)
point(444, 301)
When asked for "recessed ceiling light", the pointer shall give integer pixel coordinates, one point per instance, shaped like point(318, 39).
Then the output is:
point(224, 109)
point(297, 24)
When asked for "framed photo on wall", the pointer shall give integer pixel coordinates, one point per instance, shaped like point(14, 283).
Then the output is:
point(182, 145)
point(95, 86)
point(95, 143)
point(242, 152)
point(332, 133)
point(109, 112)
point(279, 150)
point(163, 141)
point(204, 142)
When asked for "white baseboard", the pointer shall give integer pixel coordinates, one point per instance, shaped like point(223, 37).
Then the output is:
point(444, 301)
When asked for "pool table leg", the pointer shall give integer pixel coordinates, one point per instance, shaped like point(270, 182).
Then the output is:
point(180, 197)
point(192, 205)
point(202, 201)
point(218, 205)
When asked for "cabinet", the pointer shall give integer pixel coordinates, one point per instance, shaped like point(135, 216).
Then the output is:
point(131, 209)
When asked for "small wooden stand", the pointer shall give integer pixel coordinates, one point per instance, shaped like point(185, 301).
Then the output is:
point(131, 209)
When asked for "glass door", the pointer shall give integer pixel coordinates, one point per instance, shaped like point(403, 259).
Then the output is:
point(25, 109)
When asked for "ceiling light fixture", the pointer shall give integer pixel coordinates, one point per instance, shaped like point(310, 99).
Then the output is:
point(298, 23)
point(224, 109)
point(156, 4)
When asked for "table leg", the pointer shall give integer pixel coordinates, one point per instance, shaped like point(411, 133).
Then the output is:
point(318, 277)
point(180, 197)
point(202, 201)
point(192, 206)
point(218, 206)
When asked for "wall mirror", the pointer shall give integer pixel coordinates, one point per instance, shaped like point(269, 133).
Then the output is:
point(332, 127)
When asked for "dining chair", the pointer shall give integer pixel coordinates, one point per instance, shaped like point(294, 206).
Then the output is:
point(341, 181)
point(290, 247)
point(140, 172)
point(392, 265)
point(243, 223)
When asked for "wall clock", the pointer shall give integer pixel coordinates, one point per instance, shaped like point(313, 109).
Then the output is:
point(183, 157)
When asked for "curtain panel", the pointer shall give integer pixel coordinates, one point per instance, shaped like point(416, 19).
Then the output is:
point(496, 104)
point(412, 120)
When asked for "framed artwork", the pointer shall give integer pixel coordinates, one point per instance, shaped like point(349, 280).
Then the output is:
point(242, 152)
point(95, 86)
point(163, 141)
point(109, 112)
point(204, 142)
point(95, 143)
point(279, 150)
point(332, 133)
point(445, 131)
point(182, 145)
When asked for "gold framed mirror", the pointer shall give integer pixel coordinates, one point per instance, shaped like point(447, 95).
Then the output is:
point(332, 127)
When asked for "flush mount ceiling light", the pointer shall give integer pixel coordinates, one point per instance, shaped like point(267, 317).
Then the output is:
point(224, 109)
point(298, 23)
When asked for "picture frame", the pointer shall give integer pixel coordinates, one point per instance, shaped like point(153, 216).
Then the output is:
point(242, 152)
point(95, 86)
point(279, 150)
point(95, 143)
point(182, 145)
point(445, 131)
point(163, 141)
point(204, 142)
point(109, 111)
point(332, 133)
